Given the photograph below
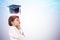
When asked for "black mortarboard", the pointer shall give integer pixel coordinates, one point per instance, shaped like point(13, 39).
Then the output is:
point(14, 8)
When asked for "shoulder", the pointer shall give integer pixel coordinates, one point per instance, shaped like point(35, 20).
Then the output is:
point(12, 30)
point(13, 33)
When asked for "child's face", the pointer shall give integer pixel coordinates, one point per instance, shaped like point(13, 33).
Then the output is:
point(16, 22)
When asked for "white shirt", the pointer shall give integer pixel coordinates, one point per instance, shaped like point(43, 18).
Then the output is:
point(15, 34)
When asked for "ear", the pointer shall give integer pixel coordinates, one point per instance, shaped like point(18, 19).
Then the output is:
point(12, 22)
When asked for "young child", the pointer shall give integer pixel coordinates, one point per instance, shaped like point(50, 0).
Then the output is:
point(15, 29)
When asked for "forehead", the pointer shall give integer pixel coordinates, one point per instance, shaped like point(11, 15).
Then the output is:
point(17, 19)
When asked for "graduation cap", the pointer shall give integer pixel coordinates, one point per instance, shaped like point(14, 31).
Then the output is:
point(14, 8)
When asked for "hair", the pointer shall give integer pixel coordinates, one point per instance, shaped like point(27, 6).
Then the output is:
point(12, 18)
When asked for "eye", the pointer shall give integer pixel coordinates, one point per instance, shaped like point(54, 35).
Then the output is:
point(18, 20)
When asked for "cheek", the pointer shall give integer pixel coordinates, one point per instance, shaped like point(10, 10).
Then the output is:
point(16, 23)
